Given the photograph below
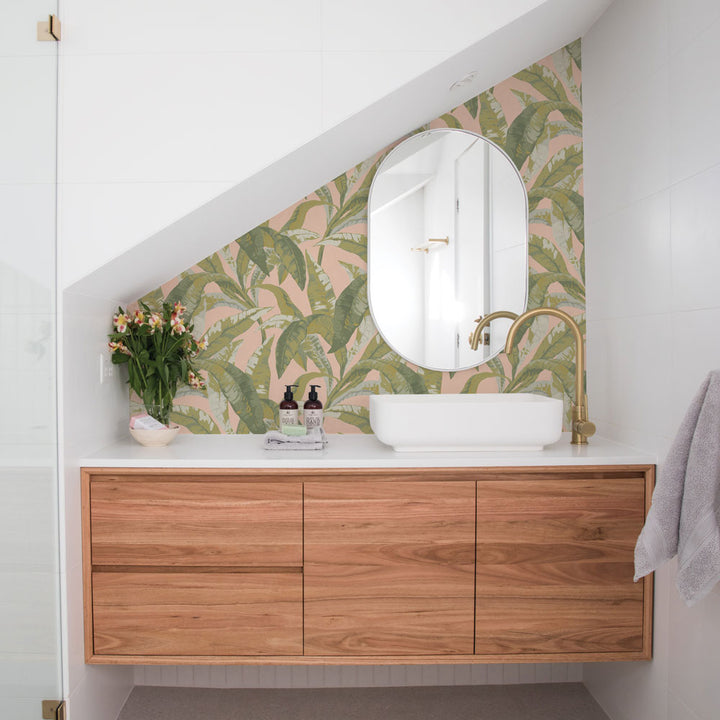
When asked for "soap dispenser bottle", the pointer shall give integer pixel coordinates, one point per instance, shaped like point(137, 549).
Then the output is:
point(289, 408)
point(312, 410)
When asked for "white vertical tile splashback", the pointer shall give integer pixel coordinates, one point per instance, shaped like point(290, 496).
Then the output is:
point(653, 249)
point(299, 676)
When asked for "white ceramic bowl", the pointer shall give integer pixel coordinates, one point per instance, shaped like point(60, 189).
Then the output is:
point(155, 438)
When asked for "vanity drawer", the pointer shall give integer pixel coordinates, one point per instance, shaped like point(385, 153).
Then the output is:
point(559, 626)
point(197, 613)
point(186, 521)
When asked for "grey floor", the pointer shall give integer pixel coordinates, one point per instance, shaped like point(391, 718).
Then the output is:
point(563, 701)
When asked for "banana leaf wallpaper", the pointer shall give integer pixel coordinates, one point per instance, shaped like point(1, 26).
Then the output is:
point(286, 303)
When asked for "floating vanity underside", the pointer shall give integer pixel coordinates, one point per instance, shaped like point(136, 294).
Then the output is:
point(333, 565)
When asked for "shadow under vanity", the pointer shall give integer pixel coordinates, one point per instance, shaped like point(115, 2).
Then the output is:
point(216, 551)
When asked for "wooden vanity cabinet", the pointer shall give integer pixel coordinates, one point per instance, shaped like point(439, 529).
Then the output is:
point(439, 565)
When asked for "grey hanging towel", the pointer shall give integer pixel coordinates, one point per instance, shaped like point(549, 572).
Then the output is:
point(684, 518)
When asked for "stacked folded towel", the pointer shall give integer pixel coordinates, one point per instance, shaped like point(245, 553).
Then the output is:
point(314, 440)
point(684, 519)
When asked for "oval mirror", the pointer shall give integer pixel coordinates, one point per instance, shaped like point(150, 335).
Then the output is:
point(447, 243)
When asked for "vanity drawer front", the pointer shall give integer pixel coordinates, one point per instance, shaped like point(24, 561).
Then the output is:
point(181, 521)
point(197, 613)
point(558, 626)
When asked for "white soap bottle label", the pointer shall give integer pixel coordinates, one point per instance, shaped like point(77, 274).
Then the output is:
point(289, 416)
point(313, 418)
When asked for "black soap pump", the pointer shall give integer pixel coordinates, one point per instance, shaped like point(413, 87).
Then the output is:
point(288, 408)
point(312, 410)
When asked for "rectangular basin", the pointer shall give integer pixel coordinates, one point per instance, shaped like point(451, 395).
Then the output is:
point(427, 423)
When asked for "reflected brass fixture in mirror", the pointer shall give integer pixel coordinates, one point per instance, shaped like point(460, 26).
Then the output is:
point(483, 322)
point(582, 428)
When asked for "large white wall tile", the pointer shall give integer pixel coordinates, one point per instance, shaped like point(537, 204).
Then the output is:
point(693, 140)
point(354, 80)
point(29, 613)
point(696, 241)
point(632, 398)
point(101, 694)
point(27, 227)
point(688, 19)
point(402, 25)
point(627, 159)
point(695, 352)
point(695, 633)
point(18, 35)
point(629, 43)
point(628, 260)
point(180, 26)
point(29, 95)
point(28, 519)
point(100, 220)
point(216, 117)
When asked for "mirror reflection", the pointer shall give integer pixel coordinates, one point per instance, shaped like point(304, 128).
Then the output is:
point(447, 243)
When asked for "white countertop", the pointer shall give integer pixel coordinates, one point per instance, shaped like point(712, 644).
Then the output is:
point(349, 451)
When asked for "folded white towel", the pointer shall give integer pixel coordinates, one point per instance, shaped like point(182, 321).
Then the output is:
point(684, 518)
point(314, 440)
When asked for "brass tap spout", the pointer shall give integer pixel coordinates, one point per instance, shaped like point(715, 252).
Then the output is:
point(483, 322)
point(582, 428)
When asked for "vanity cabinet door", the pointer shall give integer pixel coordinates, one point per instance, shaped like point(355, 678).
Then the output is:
point(389, 567)
point(555, 567)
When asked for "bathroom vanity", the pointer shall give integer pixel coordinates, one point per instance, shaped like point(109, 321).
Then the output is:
point(216, 551)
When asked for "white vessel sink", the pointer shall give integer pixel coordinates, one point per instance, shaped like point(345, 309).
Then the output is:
point(515, 421)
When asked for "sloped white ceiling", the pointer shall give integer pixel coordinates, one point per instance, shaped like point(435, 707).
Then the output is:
point(538, 29)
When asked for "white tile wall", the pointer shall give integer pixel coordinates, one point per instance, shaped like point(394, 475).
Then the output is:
point(689, 19)
point(93, 415)
point(184, 26)
point(402, 25)
point(628, 166)
point(694, 143)
point(29, 96)
point(375, 74)
point(200, 97)
point(653, 246)
point(632, 248)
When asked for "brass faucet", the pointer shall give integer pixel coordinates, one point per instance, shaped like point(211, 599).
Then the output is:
point(582, 428)
point(483, 322)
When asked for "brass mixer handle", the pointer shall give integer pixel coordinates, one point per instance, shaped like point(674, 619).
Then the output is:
point(585, 427)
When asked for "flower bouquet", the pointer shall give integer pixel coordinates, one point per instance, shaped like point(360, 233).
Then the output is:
point(158, 348)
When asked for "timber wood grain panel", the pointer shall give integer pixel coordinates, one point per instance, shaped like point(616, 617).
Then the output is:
point(389, 567)
point(555, 565)
point(195, 522)
point(523, 626)
point(197, 614)
point(214, 574)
